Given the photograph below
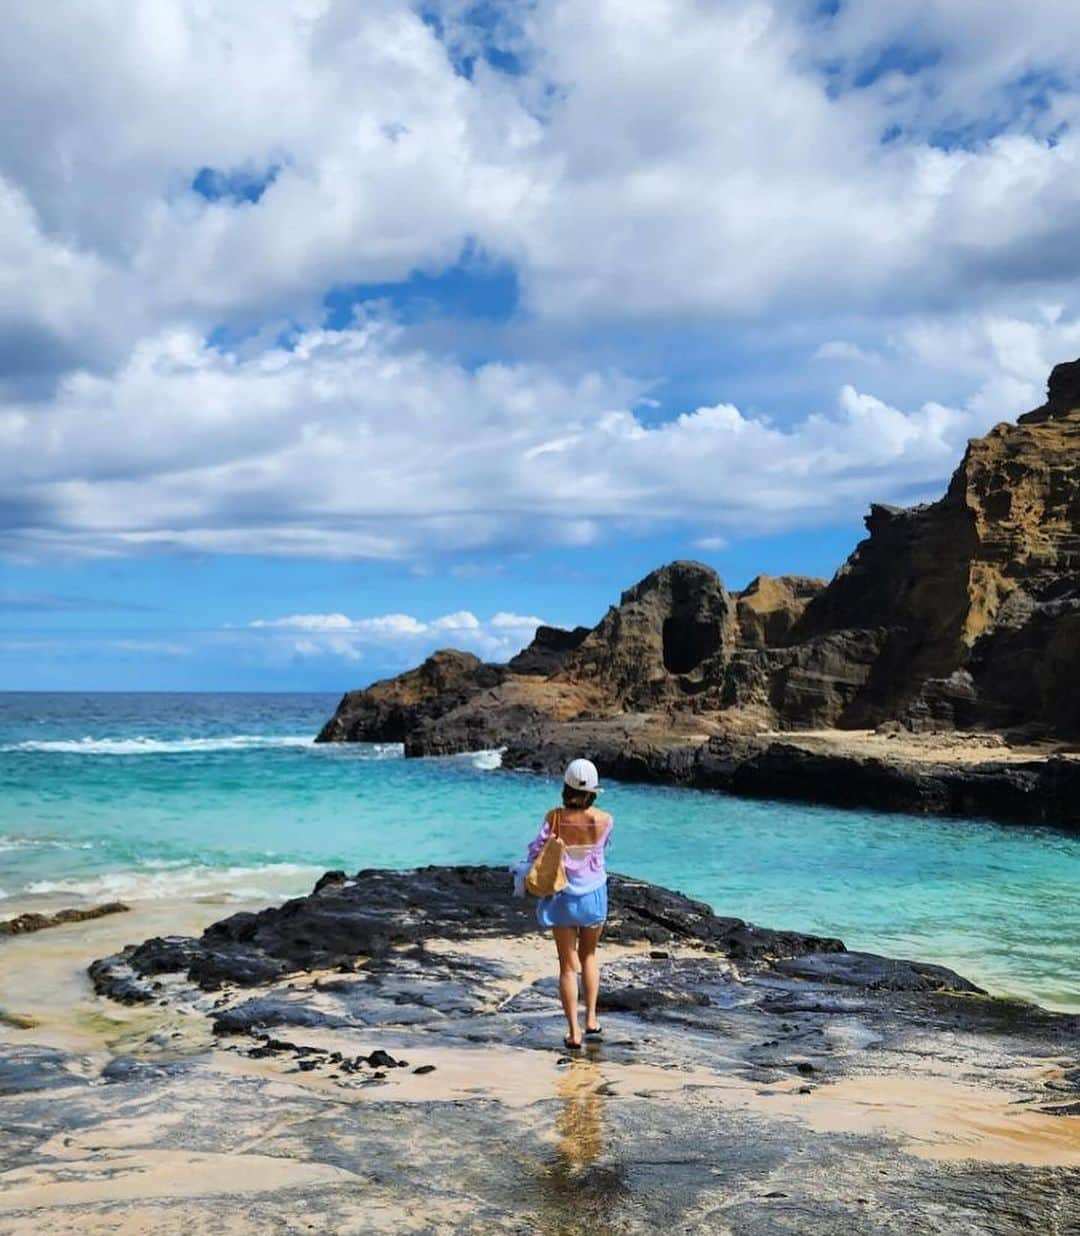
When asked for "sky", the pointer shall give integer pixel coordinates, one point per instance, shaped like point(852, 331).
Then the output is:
point(333, 333)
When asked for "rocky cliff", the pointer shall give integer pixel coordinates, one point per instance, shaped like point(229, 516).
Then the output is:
point(962, 613)
point(978, 594)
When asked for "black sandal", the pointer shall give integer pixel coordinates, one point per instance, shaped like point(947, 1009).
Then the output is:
point(570, 1045)
point(595, 1033)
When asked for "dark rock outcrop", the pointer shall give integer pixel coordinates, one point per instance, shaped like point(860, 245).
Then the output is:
point(1037, 791)
point(388, 711)
point(369, 914)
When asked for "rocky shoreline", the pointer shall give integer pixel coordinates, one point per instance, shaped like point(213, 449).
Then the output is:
point(384, 1054)
point(843, 770)
point(953, 621)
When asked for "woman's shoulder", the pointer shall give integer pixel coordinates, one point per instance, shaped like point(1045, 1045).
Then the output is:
point(593, 815)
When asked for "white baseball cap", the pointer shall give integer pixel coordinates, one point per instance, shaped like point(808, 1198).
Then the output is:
point(582, 775)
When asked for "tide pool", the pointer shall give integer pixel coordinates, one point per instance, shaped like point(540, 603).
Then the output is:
point(188, 795)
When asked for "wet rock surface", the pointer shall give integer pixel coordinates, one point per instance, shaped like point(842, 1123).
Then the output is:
point(413, 1079)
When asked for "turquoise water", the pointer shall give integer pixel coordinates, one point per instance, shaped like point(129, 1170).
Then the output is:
point(184, 795)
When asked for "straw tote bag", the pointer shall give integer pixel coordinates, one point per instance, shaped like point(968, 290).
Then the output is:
point(547, 874)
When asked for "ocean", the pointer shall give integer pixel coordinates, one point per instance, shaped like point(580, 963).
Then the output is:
point(226, 795)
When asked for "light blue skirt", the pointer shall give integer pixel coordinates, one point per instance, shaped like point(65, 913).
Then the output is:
point(573, 909)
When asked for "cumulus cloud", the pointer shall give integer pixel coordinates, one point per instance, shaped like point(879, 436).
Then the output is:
point(657, 160)
point(356, 444)
point(651, 157)
point(733, 159)
point(336, 635)
point(376, 155)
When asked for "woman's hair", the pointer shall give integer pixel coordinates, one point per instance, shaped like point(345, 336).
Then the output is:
point(580, 799)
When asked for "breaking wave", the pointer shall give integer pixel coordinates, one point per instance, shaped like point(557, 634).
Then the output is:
point(487, 760)
point(41, 843)
point(179, 746)
point(165, 880)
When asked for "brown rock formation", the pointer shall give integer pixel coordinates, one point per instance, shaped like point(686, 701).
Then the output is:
point(667, 637)
point(979, 593)
point(389, 710)
point(768, 608)
point(21, 924)
point(961, 612)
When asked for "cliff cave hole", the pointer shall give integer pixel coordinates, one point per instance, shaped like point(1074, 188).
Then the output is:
point(688, 642)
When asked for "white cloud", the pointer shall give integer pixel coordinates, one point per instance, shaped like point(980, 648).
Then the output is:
point(460, 621)
point(307, 622)
point(385, 159)
point(336, 635)
point(844, 350)
point(662, 160)
point(658, 158)
point(699, 160)
point(355, 444)
point(515, 622)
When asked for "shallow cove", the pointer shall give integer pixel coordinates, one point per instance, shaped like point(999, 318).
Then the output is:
point(188, 795)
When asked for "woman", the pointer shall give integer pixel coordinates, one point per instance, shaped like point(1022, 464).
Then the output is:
point(576, 916)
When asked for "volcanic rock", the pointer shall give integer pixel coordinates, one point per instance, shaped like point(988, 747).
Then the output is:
point(377, 911)
point(958, 614)
point(693, 1112)
point(389, 710)
point(768, 608)
point(548, 652)
point(32, 921)
point(666, 638)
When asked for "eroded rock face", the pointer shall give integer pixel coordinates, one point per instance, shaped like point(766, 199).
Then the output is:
point(666, 637)
point(980, 592)
point(769, 607)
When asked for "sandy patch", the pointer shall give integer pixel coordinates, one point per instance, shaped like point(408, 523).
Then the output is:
point(944, 748)
point(944, 1120)
point(45, 993)
point(147, 1173)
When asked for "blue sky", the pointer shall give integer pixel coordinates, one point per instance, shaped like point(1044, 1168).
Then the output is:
point(333, 334)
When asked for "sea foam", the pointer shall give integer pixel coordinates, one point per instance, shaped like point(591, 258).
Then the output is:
point(487, 760)
point(157, 881)
point(140, 745)
point(41, 843)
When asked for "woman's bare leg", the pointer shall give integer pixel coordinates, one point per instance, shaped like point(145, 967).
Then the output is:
point(566, 943)
point(588, 939)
